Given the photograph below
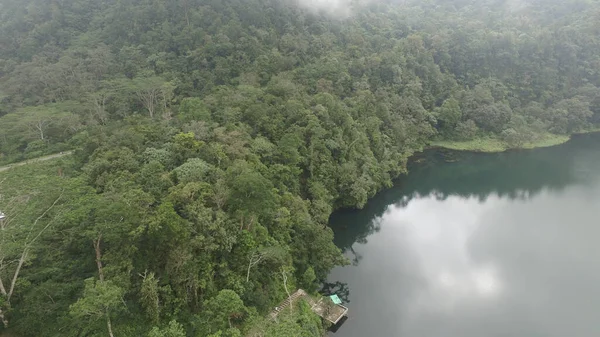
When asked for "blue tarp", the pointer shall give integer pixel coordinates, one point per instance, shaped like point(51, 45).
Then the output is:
point(335, 299)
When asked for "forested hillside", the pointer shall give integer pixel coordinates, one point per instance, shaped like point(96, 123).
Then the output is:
point(213, 139)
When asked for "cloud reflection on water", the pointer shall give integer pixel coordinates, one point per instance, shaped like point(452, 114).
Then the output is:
point(459, 266)
point(439, 241)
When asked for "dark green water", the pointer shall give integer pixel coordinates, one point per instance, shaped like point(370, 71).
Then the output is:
point(473, 245)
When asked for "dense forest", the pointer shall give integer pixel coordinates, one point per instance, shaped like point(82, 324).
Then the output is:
point(212, 140)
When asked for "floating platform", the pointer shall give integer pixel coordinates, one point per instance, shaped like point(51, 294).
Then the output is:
point(332, 311)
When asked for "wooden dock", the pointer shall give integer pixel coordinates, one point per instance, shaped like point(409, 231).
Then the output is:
point(327, 310)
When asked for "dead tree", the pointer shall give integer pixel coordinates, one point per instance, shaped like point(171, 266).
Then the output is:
point(98, 251)
point(25, 248)
point(253, 260)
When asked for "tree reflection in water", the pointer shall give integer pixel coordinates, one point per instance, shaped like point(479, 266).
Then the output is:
point(515, 174)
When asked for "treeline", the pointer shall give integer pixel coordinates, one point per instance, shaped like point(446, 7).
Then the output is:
point(215, 137)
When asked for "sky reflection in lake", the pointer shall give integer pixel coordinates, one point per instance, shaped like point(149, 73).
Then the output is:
point(443, 264)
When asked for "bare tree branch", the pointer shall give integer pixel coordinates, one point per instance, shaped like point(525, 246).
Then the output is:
point(28, 245)
point(98, 257)
point(2, 288)
point(253, 260)
point(16, 274)
point(98, 252)
point(39, 218)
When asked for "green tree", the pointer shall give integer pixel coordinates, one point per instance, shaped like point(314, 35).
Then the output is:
point(174, 329)
point(251, 194)
point(101, 302)
point(449, 115)
point(192, 109)
point(223, 312)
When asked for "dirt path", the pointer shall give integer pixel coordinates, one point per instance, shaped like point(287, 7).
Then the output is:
point(35, 160)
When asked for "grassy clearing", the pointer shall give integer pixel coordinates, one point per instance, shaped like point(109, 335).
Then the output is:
point(25, 175)
point(491, 145)
point(475, 145)
point(547, 141)
point(35, 160)
point(592, 130)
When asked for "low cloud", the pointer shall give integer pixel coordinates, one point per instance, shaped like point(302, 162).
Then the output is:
point(338, 8)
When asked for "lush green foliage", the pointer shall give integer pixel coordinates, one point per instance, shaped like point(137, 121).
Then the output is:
point(215, 137)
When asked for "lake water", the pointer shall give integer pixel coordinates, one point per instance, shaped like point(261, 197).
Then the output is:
point(474, 245)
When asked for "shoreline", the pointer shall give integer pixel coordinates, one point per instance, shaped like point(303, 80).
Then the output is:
point(495, 145)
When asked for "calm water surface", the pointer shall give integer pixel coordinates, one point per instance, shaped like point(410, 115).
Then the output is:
point(473, 245)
